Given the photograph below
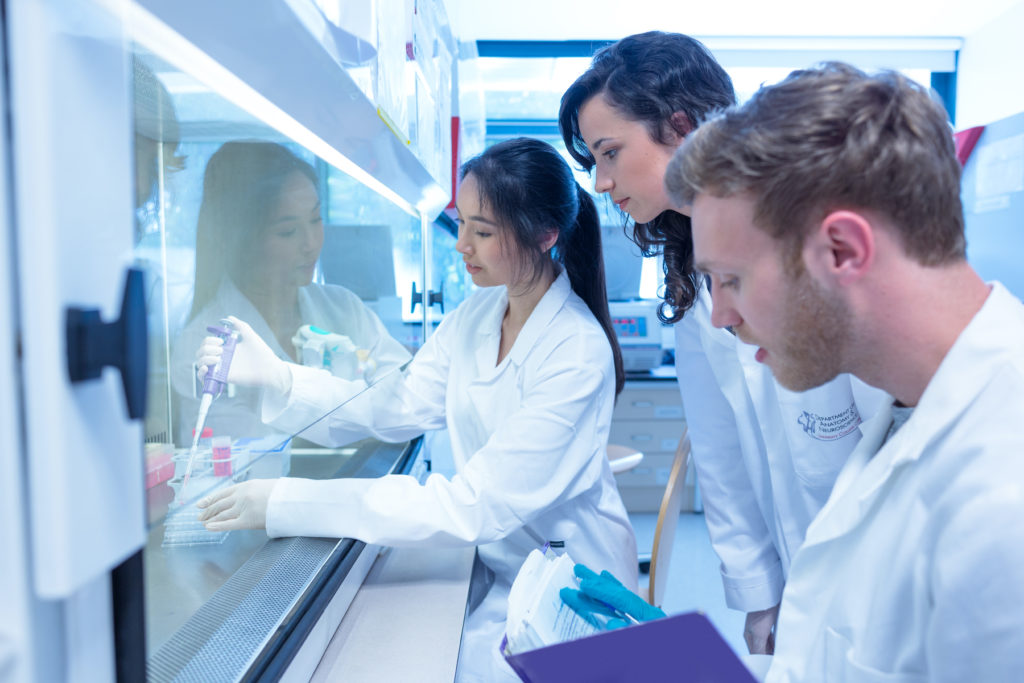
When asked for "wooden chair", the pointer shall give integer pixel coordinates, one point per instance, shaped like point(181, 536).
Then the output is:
point(623, 458)
point(668, 518)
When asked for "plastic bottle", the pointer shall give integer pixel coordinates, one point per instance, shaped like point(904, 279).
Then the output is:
point(221, 446)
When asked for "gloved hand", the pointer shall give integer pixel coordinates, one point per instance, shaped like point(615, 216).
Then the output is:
point(254, 364)
point(242, 506)
point(604, 595)
point(759, 631)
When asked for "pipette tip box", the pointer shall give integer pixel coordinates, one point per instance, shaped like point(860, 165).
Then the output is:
point(182, 528)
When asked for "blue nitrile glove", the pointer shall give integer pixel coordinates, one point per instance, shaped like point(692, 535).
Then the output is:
point(604, 595)
point(589, 609)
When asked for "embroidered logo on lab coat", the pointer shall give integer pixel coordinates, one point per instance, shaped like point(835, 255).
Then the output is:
point(830, 427)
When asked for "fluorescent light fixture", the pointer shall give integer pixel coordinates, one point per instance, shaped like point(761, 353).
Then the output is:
point(167, 44)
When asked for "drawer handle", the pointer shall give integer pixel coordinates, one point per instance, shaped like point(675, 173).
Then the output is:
point(642, 404)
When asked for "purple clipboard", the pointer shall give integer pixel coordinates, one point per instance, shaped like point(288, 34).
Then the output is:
point(684, 648)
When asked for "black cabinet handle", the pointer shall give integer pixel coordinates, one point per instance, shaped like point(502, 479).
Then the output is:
point(93, 344)
point(432, 298)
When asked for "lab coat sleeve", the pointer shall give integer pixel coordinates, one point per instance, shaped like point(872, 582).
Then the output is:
point(977, 627)
point(393, 406)
point(750, 566)
point(542, 455)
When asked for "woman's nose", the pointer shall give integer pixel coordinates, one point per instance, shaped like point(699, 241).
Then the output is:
point(602, 181)
point(314, 238)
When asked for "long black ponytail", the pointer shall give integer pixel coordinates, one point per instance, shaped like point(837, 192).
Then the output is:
point(530, 189)
point(580, 251)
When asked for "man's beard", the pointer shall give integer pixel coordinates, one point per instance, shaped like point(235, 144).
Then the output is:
point(817, 325)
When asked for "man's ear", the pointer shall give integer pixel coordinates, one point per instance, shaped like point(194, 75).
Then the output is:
point(842, 247)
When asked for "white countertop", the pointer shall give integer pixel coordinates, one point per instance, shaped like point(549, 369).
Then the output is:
point(405, 623)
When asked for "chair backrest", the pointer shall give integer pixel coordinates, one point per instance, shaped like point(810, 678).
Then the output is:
point(668, 518)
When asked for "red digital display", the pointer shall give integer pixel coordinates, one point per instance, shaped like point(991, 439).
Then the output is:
point(630, 327)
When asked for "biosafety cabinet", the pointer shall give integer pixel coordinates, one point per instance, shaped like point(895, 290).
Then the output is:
point(165, 164)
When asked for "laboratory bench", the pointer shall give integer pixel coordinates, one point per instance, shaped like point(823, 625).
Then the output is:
point(405, 623)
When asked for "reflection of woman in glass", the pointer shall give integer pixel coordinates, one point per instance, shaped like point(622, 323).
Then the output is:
point(258, 240)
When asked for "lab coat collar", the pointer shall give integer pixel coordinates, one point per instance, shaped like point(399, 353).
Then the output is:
point(541, 317)
point(960, 378)
point(543, 313)
point(489, 331)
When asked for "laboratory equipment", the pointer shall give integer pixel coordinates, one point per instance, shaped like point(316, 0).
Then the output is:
point(638, 329)
point(197, 473)
point(183, 528)
point(992, 192)
point(243, 608)
point(213, 385)
point(623, 262)
point(159, 467)
point(334, 352)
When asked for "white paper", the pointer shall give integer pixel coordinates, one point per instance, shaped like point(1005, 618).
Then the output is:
point(536, 614)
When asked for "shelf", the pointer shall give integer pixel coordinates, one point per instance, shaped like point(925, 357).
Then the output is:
point(271, 65)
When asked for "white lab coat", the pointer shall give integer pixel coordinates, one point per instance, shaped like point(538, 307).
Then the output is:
point(330, 307)
point(914, 570)
point(528, 438)
point(766, 457)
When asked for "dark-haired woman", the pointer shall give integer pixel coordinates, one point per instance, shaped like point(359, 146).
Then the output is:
point(766, 457)
point(523, 374)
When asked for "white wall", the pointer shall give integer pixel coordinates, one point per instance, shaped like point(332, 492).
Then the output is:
point(989, 83)
point(613, 19)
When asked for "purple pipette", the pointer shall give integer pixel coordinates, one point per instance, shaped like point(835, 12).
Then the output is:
point(217, 376)
point(213, 384)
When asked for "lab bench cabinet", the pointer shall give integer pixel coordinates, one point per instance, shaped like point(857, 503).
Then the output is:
point(649, 417)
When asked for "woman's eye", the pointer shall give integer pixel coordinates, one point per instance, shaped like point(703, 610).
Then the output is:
point(610, 154)
point(732, 283)
point(481, 233)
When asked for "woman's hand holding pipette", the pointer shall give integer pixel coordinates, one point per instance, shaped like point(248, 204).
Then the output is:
point(242, 506)
point(254, 363)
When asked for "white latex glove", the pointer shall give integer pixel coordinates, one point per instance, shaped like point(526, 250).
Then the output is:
point(253, 364)
point(242, 506)
point(759, 631)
